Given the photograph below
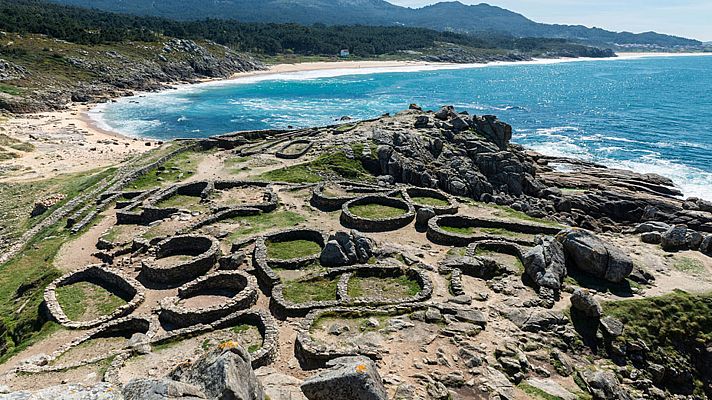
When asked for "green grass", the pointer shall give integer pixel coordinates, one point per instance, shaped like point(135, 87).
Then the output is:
point(15, 144)
point(333, 163)
point(292, 249)
point(667, 324)
point(689, 265)
point(508, 212)
point(191, 203)
point(82, 297)
point(24, 277)
point(11, 90)
point(254, 224)
point(376, 211)
point(473, 230)
point(345, 128)
point(429, 201)
point(536, 393)
point(392, 288)
point(176, 169)
point(320, 289)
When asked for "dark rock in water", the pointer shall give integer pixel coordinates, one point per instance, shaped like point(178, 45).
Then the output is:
point(353, 378)
point(584, 302)
point(604, 385)
point(545, 263)
point(590, 254)
point(163, 389)
point(414, 106)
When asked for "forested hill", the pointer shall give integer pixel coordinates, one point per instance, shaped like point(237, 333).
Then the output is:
point(51, 53)
point(452, 16)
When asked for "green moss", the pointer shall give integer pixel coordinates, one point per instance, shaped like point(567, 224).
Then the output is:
point(429, 201)
point(292, 249)
point(319, 289)
point(192, 203)
point(11, 90)
point(345, 128)
point(689, 265)
point(81, 298)
point(178, 168)
point(376, 211)
point(508, 212)
point(675, 326)
point(254, 224)
point(392, 288)
point(332, 163)
point(536, 393)
point(241, 328)
point(472, 230)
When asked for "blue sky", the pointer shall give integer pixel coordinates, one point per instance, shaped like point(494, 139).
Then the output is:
point(689, 18)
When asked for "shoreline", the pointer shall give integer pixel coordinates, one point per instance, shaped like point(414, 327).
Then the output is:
point(76, 140)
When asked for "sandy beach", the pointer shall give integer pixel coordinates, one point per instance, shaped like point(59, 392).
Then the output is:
point(70, 141)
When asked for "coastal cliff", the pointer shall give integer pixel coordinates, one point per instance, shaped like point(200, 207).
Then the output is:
point(49, 74)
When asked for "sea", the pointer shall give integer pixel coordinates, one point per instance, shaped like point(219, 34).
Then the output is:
point(647, 114)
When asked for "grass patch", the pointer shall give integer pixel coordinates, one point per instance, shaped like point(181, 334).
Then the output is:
point(191, 203)
point(292, 249)
point(11, 90)
point(345, 128)
point(176, 169)
point(24, 277)
point(676, 327)
point(508, 212)
point(254, 224)
point(391, 288)
point(84, 300)
point(332, 163)
point(689, 265)
point(536, 393)
point(319, 289)
point(473, 230)
point(429, 201)
point(376, 211)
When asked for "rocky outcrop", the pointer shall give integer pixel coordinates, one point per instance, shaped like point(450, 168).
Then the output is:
point(592, 255)
point(604, 385)
point(354, 378)
point(545, 263)
point(118, 74)
point(224, 373)
point(586, 304)
point(346, 249)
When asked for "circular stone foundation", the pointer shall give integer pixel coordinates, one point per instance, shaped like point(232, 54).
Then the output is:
point(213, 297)
point(111, 280)
point(181, 258)
point(377, 213)
point(440, 202)
point(461, 230)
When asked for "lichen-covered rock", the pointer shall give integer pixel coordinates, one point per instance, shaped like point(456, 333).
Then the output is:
point(163, 389)
point(100, 391)
point(545, 263)
point(604, 385)
point(224, 373)
point(424, 215)
point(333, 255)
point(584, 302)
point(587, 252)
point(675, 238)
point(353, 378)
point(706, 245)
point(651, 237)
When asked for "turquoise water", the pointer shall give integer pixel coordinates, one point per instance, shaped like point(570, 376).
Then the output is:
point(645, 114)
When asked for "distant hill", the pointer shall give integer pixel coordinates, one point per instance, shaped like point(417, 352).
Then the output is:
point(453, 16)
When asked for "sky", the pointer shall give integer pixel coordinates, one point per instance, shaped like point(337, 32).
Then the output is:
point(688, 18)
